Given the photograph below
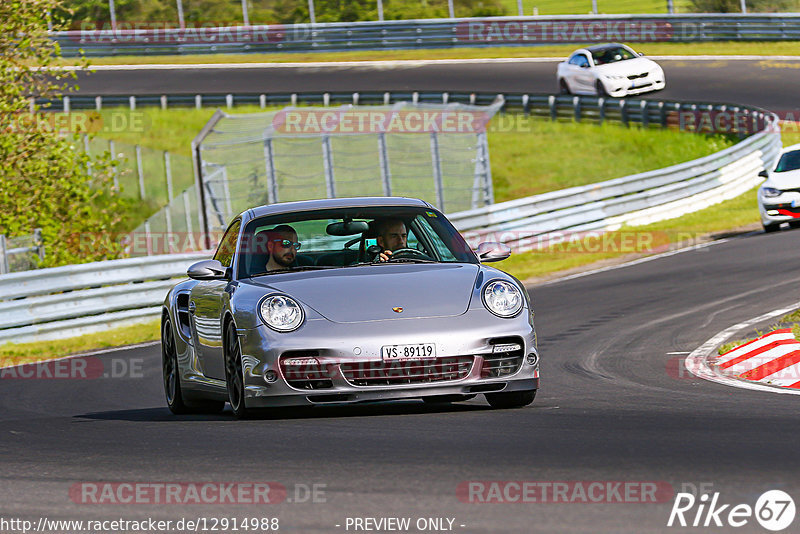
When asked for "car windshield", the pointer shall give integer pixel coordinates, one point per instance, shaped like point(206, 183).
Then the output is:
point(347, 237)
point(790, 161)
point(611, 55)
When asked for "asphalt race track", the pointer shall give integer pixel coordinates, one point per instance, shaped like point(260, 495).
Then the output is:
point(612, 407)
point(768, 83)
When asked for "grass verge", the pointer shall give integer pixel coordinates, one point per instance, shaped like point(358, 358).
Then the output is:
point(17, 353)
point(732, 48)
point(791, 320)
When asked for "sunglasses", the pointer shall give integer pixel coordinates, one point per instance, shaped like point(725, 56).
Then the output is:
point(285, 243)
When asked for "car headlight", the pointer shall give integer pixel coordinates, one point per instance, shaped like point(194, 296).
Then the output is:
point(502, 298)
point(770, 192)
point(281, 313)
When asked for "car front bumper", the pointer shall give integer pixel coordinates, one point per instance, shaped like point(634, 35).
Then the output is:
point(776, 210)
point(622, 88)
point(325, 362)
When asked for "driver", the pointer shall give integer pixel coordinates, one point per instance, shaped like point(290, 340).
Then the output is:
point(282, 246)
point(392, 235)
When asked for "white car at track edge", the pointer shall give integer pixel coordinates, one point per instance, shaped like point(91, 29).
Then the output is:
point(612, 69)
point(779, 195)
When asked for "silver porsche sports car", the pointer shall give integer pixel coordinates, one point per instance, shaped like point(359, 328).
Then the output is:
point(347, 301)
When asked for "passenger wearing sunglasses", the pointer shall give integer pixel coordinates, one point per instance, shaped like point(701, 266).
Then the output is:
point(282, 247)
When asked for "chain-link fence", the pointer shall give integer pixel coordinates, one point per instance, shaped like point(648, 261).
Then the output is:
point(21, 253)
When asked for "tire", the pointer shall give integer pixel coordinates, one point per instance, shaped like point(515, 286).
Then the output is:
point(769, 228)
point(601, 89)
point(173, 392)
point(447, 399)
point(234, 377)
point(794, 224)
point(511, 399)
point(169, 370)
point(563, 88)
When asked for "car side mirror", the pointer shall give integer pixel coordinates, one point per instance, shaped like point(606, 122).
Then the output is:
point(491, 251)
point(764, 174)
point(641, 54)
point(207, 270)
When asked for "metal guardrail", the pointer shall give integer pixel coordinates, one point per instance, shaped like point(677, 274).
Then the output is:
point(76, 299)
point(144, 39)
point(635, 199)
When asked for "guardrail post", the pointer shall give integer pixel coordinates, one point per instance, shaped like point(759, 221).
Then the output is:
point(601, 110)
point(445, 98)
point(526, 104)
point(437, 171)
point(662, 114)
point(163, 101)
point(415, 98)
point(327, 161)
point(198, 101)
point(65, 103)
point(98, 103)
point(140, 170)
point(623, 112)
point(293, 99)
point(262, 101)
point(576, 108)
point(355, 99)
point(387, 98)
point(551, 102)
point(644, 113)
point(132, 102)
point(326, 99)
point(386, 175)
point(229, 101)
point(3, 255)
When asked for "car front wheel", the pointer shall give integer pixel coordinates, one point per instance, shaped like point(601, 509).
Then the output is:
point(563, 88)
point(601, 89)
point(234, 378)
point(511, 399)
point(769, 228)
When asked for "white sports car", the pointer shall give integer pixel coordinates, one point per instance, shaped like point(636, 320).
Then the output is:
point(779, 196)
point(609, 70)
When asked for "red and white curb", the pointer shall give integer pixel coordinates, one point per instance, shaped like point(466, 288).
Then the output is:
point(769, 363)
point(773, 359)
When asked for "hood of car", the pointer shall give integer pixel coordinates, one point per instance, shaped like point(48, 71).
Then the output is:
point(380, 292)
point(784, 180)
point(637, 65)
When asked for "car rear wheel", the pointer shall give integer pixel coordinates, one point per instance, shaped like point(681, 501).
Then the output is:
point(769, 228)
point(563, 88)
point(172, 380)
point(511, 399)
point(600, 88)
point(440, 399)
point(234, 378)
point(794, 224)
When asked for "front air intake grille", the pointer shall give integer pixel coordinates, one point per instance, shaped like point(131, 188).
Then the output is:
point(302, 370)
point(637, 76)
point(399, 372)
point(506, 358)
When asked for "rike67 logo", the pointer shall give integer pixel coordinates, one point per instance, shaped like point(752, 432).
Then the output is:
point(774, 510)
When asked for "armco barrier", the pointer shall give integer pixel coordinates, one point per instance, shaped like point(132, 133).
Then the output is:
point(77, 299)
point(154, 38)
point(636, 199)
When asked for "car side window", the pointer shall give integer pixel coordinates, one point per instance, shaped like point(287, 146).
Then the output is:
point(579, 60)
point(227, 246)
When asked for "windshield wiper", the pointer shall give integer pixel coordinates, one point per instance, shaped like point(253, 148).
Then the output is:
point(297, 269)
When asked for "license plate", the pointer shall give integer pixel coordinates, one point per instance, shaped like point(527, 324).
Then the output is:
point(408, 352)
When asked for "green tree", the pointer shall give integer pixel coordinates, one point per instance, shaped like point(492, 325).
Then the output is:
point(45, 181)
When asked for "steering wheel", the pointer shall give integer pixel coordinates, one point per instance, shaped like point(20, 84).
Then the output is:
point(410, 253)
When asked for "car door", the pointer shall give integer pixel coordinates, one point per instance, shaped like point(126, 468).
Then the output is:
point(206, 306)
point(585, 74)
